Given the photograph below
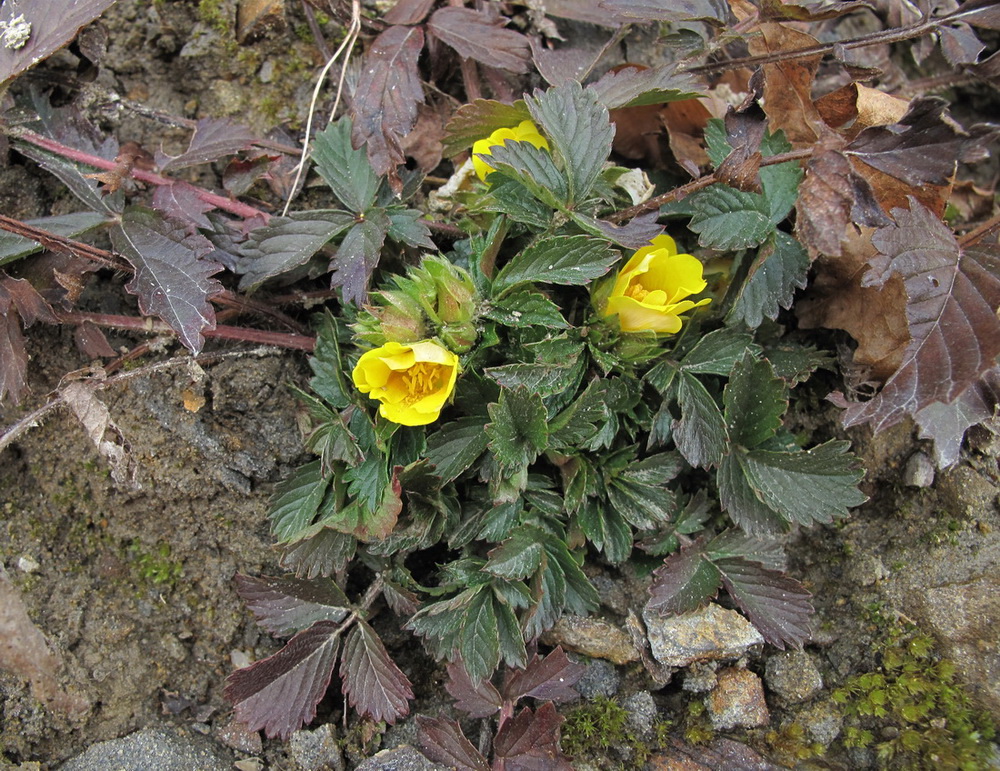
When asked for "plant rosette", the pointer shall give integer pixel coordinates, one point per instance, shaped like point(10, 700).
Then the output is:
point(412, 382)
point(648, 294)
point(525, 131)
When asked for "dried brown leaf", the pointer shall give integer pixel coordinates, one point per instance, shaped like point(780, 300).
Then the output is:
point(13, 356)
point(855, 107)
point(107, 438)
point(386, 98)
point(481, 36)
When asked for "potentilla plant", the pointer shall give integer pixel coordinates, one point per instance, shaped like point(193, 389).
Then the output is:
point(556, 392)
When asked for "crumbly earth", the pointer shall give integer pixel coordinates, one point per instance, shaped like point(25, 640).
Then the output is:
point(133, 587)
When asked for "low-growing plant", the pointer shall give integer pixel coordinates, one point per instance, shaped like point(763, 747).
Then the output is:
point(538, 409)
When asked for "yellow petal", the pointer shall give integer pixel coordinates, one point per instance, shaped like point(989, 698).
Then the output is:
point(633, 316)
point(679, 275)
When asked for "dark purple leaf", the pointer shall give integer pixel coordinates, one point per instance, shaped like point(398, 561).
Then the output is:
point(279, 694)
point(442, 741)
point(952, 297)
point(684, 582)
point(75, 178)
point(960, 44)
point(45, 28)
point(946, 424)
point(401, 600)
point(923, 147)
point(570, 62)
point(358, 255)
point(30, 305)
point(481, 36)
point(90, 339)
point(551, 678)
point(638, 86)
point(408, 12)
point(240, 175)
point(213, 138)
point(530, 742)
point(389, 91)
point(13, 356)
point(589, 11)
point(475, 121)
point(479, 699)
point(373, 684)
point(713, 11)
point(171, 281)
point(181, 201)
point(634, 234)
point(776, 604)
point(286, 605)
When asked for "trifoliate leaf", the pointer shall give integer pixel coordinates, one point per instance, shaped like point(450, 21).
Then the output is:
point(755, 402)
point(728, 219)
point(455, 447)
point(531, 741)
point(700, 433)
point(525, 308)
point(776, 604)
point(346, 170)
point(579, 131)
point(715, 353)
point(818, 485)
point(780, 267)
point(684, 582)
point(572, 260)
point(518, 431)
point(288, 242)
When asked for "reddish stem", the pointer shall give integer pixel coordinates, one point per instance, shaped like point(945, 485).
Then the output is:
point(152, 178)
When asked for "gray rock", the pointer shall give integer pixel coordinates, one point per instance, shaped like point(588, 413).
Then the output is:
point(314, 750)
point(713, 633)
point(599, 679)
point(593, 637)
point(919, 471)
point(823, 722)
point(642, 712)
point(793, 676)
point(404, 758)
point(152, 749)
point(701, 677)
point(737, 700)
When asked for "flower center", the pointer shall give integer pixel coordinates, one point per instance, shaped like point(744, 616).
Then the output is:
point(639, 293)
point(420, 380)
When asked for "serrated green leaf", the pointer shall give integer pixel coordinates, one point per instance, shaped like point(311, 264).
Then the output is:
point(479, 642)
point(327, 366)
point(581, 596)
point(288, 242)
point(14, 247)
point(658, 469)
point(643, 506)
point(780, 267)
point(742, 502)
point(477, 120)
point(518, 431)
point(755, 401)
point(525, 308)
point(455, 447)
point(579, 131)
point(406, 226)
point(684, 582)
point(817, 485)
point(690, 519)
point(580, 420)
point(543, 379)
point(297, 501)
point(534, 168)
point(794, 363)
point(716, 143)
point(662, 378)
point(700, 433)
point(571, 260)
point(509, 196)
point(346, 170)
point(734, 543)
point(715, 353)
point(729, 219)
point(548, 590)
point(517, 557)
point(511, 639)
point(499, 521)
point(358, 254)
point(606, 529)
point(635, 87)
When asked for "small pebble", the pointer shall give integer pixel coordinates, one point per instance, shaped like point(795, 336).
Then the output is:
point(919, 471)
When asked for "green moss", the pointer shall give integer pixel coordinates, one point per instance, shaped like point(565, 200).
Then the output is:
point(212, 13)
point(155, 567)
point(602, 724)
point(791, 743)
point(922, 717)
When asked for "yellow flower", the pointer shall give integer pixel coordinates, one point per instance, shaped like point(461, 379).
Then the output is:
point(525, 131)
point(412, 382)
point(649, 291)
